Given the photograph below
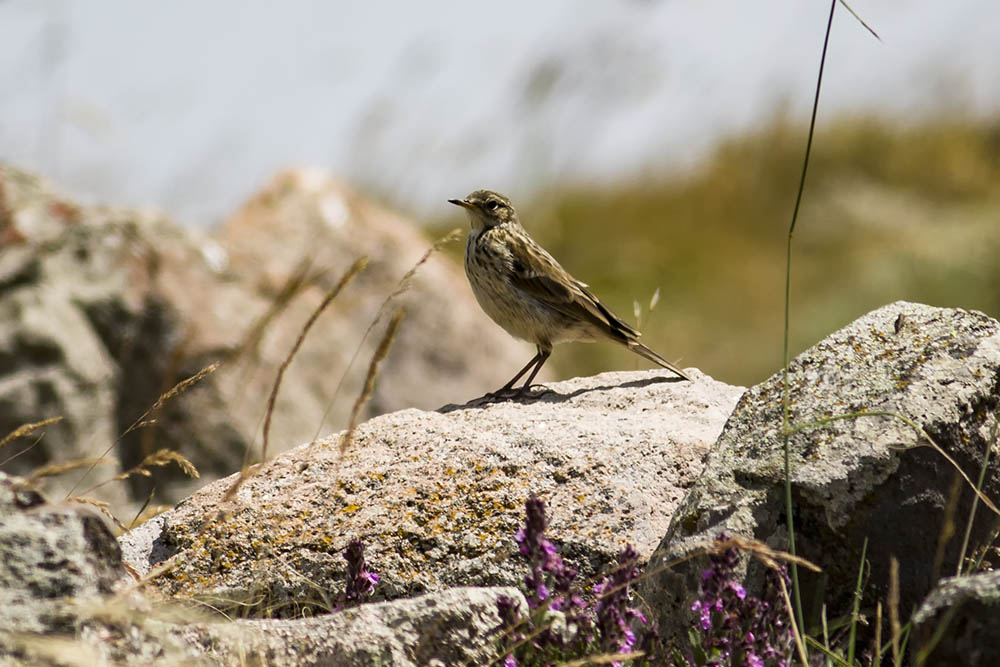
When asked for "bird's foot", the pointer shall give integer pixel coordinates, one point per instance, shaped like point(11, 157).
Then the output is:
point(536, 391)
point(511, 394)
point(504, 394)
point(526, 392)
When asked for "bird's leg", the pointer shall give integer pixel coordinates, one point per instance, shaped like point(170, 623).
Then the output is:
point(510, 385)
point(542, 356)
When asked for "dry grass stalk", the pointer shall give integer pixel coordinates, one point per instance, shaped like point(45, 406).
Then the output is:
point(766, 554)
point(878, 631)
point(131, 571)
point(800, 646)
point(401, 287)
point(147, 513)
point(56, 469)
point(407, 279)
point(51, 649)
point(948, 526)
point(176, 390)
point(26, 429)
point(355, 269)
point(143, 420)
point(348, 276)
point(100, 505)
point(159, 458)
point(135, 519)
point(894, 624)
point(366, 392)
point(300, 278)
point(246, 473)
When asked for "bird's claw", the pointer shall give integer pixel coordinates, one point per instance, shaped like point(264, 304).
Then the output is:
point(511, 394)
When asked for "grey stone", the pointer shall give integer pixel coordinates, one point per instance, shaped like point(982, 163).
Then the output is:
point(853, 478)
point(52, 558)
point(963, 615)
point(458, 626)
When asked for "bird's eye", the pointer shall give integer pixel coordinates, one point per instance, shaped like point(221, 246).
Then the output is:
point(492, 204)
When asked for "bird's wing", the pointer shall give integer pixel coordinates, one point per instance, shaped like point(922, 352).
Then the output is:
point(537, 273)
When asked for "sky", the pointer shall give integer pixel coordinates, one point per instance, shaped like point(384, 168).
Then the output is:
point(189, 107)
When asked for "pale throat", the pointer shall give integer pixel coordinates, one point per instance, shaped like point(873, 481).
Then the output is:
point(476, 224)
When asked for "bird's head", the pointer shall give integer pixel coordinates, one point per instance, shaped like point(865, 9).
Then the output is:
point(487, 209)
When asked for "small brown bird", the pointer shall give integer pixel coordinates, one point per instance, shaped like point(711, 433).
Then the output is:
point(525, 290)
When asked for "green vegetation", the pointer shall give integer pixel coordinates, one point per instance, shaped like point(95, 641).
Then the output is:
point(890, 212)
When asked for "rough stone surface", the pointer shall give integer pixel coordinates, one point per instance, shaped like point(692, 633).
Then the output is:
point(103, 310)
point(853, 478)
point(966, 611)
point(62, 603)
point(458, 626)
point(52, 557)
point(451, 627)
point(438, 496)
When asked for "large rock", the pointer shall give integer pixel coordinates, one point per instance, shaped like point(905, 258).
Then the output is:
point(855, 478)
point(103, 310)
point(959, 623)
point(458, 626)
point(53, 558)
point(438, 496)
point(454, 627)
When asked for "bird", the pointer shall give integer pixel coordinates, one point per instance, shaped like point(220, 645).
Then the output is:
point(528, 293)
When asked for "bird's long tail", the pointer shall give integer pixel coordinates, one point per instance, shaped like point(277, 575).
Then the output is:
point(644, 351)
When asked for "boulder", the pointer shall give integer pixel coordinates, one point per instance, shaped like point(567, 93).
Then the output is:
point(458, 626)
point(53, 558)
point(959, 623)
point(853, 478)
point(437, 497)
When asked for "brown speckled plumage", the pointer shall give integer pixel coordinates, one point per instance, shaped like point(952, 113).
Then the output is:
point(525, 290)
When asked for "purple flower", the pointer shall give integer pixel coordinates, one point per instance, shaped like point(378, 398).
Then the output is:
point(360, 584)
point(615, 615)
point(735, 627)
point(608, 624)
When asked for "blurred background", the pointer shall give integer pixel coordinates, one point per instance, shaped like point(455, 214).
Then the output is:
point(648, 145)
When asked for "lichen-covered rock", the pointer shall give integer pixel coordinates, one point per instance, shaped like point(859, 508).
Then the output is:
point(437, 497)
point(959, 623)
point(64, 600)
point(856, 478)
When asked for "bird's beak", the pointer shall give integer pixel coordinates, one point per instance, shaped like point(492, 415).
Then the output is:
point(461, 202)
